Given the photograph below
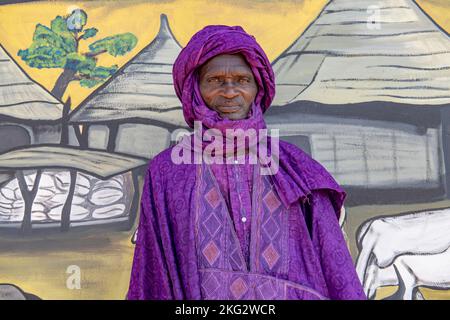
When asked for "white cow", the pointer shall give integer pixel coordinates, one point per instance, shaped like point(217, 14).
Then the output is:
point(410, 272)
point(407, 243)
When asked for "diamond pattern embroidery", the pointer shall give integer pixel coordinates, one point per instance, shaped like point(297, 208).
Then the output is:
point(271, 255)
point(235, 259)
point(267, 290)
point(271, 201)
point(210, 284)
point(238, 288)
point(211, 252)
point(212, 196)
point(271, 228)
point(212, 224)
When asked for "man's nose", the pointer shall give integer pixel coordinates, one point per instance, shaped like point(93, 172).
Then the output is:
point(229, 89)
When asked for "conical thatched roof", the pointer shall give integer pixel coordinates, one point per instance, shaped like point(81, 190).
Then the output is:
point(21, 97)
point(364, 51)
point(141, 89)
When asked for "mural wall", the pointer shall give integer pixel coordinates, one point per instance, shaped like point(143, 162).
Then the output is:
point(87, 99)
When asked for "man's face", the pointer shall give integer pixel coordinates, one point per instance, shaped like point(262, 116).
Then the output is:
point(228, 86)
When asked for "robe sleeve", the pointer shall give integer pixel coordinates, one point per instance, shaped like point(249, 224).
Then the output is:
point(329, 242)
point(150, 279)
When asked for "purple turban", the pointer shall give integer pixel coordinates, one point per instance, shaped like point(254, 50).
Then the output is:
point(205, 44)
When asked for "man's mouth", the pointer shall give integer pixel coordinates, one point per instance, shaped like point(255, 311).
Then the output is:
point(228, 109)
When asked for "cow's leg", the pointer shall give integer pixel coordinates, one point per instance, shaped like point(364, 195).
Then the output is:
point(380, 277)
point(368, 246)
point(407, 279)
point(370, 281)
point(417, 294)
point(362, 262)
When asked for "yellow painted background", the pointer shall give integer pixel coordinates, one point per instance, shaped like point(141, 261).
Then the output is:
point(275, 24)
point(38, 265)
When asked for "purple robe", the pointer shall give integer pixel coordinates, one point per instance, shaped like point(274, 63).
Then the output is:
point(192, 240)
point(187, 247)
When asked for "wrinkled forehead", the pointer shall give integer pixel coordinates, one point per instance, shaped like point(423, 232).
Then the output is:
point(235, 63)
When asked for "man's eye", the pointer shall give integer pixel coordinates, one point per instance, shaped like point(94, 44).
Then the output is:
point(244, 80)
point(213, 80)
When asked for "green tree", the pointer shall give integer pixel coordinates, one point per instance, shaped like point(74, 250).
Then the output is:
point(57, 47)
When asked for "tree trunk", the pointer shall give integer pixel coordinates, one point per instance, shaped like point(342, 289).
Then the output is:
point(62, 83)
point(28, 198)
point(65, 123)
point(65, 215)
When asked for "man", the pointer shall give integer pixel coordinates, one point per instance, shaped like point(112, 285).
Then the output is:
point(222, 229)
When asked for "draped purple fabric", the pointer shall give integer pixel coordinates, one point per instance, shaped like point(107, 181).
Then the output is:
point(224, 231)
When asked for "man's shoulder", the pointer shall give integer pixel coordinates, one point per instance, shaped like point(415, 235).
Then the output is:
point(163, 156)
point(163, 164)
point(306, 166)
point(294, 153)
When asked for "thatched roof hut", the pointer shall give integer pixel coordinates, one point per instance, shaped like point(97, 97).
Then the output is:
point(363, 90)
point(137, 108)
point(364, 51)
point(29, 114)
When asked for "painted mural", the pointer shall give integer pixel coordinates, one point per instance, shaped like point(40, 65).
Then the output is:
point(87, 99)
